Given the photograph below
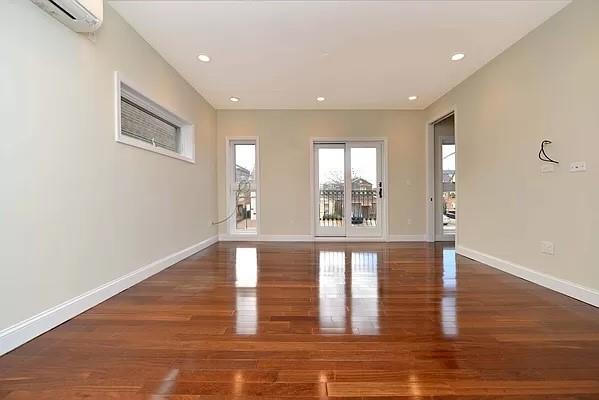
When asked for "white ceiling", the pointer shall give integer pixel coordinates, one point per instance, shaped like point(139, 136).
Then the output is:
point(357, 54)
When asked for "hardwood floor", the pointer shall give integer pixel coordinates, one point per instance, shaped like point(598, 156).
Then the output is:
point(318, 321)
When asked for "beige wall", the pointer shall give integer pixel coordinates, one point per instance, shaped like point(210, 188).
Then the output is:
point(78, 209)
point(285, 162)
point(546, 86)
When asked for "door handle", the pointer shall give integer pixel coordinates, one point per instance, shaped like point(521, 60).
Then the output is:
point(380, 190)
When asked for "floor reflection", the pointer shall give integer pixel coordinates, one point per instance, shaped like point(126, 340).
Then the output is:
point(449, 269)
point(414, 384)
point(246, 267)
point(348, 292)
point(449, 319)
point(238, 383)
point(364, 293)
point(167, 384)
point(353, 309)
point(331, 291)
point(246, 279)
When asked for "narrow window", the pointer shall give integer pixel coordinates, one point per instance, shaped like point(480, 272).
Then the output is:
point(244, 188)
point(143, 123)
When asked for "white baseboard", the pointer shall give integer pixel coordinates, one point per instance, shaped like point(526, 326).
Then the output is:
point(408, 238)
point(264, 238)
point(286, 238)
point(568, 288)
point(347, 239)
point(22, 332)
point(310, 238)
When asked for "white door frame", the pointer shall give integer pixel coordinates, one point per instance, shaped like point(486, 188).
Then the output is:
point(430, 173)
point(384, 205)
point(231, 231)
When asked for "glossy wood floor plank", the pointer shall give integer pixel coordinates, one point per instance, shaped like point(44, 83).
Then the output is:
point(318, 321)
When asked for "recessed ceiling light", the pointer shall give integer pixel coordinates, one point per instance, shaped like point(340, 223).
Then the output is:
point(203, 58)
point(457, 56)
point(320, 98)
point(412, 98)
point(234, 99)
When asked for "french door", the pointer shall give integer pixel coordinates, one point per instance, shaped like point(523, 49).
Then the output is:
point(348, 189)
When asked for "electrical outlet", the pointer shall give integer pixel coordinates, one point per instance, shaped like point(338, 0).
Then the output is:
point(409, 221)
point(547, 248)
point(578, 166)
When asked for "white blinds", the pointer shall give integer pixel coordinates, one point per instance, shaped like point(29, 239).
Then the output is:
point(140, 122)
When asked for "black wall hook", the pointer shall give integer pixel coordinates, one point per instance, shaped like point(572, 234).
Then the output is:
point(543, 156)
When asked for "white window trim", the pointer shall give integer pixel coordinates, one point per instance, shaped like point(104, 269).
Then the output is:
point(187, 129)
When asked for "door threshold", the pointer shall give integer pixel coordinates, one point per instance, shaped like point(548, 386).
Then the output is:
point(448, 238)
point(238, 237)
point(348, 239)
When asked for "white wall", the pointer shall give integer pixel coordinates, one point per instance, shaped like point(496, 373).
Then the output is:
point(546, 86)
point(285, 162)
point(78, 209)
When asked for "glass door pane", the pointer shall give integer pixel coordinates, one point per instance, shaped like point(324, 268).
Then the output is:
point(445, 179)
point(244, 186)
point(448, 185)
point(330, 189)
point(366, 189)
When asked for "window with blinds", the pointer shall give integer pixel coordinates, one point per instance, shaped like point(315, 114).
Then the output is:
point(144, 123)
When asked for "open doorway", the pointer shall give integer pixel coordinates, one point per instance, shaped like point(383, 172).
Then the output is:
point(444, 196)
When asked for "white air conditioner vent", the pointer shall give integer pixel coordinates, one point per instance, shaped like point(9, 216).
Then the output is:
point(79, 15)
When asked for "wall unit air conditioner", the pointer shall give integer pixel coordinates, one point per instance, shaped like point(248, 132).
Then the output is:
point(79, 15)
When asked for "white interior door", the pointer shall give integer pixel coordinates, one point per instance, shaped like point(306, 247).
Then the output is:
point(349, 189)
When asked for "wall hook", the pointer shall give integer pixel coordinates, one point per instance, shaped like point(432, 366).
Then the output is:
point(543, 156)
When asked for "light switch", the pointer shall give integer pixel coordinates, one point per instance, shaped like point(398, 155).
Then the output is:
point(546, 168)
